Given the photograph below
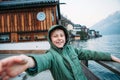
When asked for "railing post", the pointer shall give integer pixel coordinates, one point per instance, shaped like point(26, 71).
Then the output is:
point(85, 62)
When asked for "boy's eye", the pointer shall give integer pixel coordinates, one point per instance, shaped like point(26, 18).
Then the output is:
point(55, 36)
point(61, 35)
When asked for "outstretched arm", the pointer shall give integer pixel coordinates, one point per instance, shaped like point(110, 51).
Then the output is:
point(12, 66)
point(115, 59)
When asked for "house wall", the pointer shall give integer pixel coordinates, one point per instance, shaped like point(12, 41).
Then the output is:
point(21, 21)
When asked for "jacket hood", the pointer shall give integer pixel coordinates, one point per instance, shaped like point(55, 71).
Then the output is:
point(52, 28)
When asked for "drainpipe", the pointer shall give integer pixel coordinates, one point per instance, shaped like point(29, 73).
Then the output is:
point(59, 14)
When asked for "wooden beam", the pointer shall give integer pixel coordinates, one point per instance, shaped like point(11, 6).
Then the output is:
point(113, 66)
point(88, 73)
point(14, 52)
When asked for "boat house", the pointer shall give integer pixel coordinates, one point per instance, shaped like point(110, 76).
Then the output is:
point(27, 20)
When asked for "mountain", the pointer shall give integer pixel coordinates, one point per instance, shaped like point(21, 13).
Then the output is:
point(109, 25)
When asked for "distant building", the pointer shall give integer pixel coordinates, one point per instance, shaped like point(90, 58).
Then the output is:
point(94, 34)
point(79, 32)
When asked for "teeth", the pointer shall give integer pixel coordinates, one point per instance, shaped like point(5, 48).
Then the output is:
point(59, 42)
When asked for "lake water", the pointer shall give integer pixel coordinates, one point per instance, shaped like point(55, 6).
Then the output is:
point(107, 43)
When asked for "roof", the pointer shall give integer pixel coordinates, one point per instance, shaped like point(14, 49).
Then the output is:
point(15, 4)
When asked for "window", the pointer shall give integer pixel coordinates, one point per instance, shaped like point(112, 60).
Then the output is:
point(4, 38)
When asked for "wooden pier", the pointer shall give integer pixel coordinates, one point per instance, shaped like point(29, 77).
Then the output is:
point(112, 66)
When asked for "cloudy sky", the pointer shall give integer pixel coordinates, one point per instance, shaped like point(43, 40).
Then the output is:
point(88, 12)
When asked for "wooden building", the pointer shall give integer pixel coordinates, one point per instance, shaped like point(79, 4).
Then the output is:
point(27, 20)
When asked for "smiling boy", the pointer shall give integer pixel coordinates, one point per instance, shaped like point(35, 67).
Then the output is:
point(58, 38)
point(62, 59)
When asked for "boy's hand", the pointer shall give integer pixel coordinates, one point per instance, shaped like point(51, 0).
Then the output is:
point(12, 66)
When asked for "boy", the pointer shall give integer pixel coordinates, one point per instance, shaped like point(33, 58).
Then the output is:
point(61, 59)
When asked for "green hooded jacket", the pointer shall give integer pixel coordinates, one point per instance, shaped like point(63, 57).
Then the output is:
point(64, 63)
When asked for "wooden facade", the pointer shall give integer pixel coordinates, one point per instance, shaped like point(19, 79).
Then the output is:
point(22, 24)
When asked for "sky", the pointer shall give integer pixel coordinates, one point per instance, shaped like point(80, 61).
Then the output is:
point(88, 12)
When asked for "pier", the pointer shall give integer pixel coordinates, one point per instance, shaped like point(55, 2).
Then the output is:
point(112, 66)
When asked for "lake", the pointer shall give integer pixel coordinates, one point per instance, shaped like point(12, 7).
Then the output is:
point(106, 43)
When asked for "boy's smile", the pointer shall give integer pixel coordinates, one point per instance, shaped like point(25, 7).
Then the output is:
point(58, 38)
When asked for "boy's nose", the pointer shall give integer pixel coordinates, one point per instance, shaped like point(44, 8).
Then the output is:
point(59, 37)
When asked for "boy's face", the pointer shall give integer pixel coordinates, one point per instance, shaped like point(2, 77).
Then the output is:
point(58, 38)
